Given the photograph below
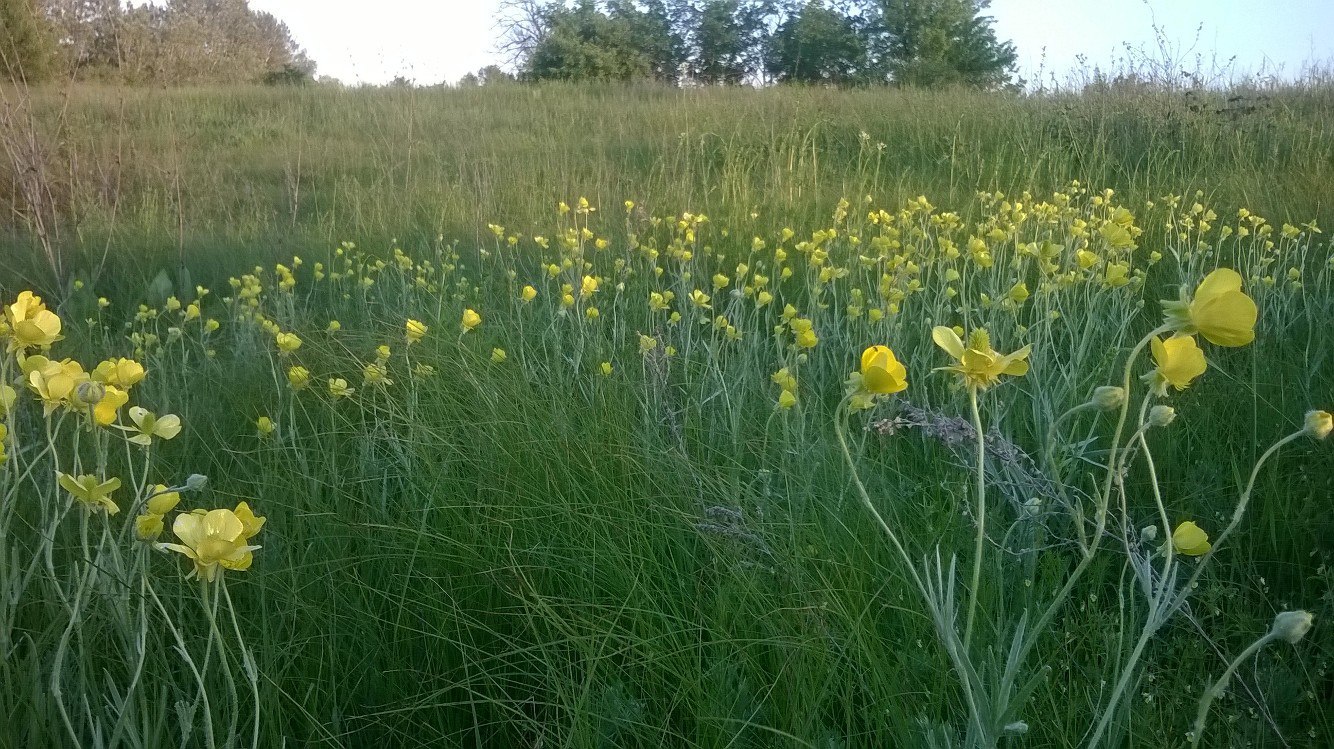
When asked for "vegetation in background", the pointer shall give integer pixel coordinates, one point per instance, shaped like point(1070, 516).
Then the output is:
point(179, 42)
point(907, 42)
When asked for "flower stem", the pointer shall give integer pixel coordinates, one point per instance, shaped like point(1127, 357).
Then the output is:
point(1216, 691)
point(980, 490)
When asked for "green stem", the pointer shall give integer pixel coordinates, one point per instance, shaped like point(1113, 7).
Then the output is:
point(1216, 691)
point(980, 491)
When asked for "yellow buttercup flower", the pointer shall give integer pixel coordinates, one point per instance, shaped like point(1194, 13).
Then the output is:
point(250, 522)
point(148, 527)
point(787, 399)
point(1179, 361)
point(470, 320)
point(1319, 424)
point(415, 331)
point(979, 365)
point(148, 425)
point(1220, 310)
point(161, 501)
point(338, 388)
point(881, 371)
point(647, 343)
point(213, 540)
point(605, 368)
point(30, 324)
point(374, 373)
point(7, 397)
point(265, 427)
point(498, 355)
point(298, 377)
point(528, 294)
point(123, 373)
point(91, 491)
point(287, 342)
point(1190, 539)
point(107, 409)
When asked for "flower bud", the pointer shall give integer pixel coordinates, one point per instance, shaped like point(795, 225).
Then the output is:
point(1292, 625)
point(1109, 397)
point(196, 482)
point(1148, 534)
point(1161, 416)
point(90, 393)
point(1319, 424)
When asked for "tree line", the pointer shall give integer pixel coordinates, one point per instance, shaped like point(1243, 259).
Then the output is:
point(710, 42)
point(179, 42)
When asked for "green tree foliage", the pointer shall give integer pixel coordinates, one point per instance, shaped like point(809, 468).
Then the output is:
point(183, 41)
point(817, 43)
point(727, 39)
point(588, 42)
point(942, 42)
point(27, 42)
point(908, 42)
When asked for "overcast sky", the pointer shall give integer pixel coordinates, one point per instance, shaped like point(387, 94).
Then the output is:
point(430, 41)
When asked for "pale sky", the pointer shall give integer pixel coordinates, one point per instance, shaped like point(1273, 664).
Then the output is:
point(430, 41)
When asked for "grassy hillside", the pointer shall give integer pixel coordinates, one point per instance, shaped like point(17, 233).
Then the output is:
point(271, 172)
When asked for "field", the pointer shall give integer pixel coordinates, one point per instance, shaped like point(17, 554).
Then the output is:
point(554, 404)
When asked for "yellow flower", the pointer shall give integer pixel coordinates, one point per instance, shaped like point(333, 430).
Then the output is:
point(265, 426)
point(605, 368)
point(1179, 361)
point(213, 540)
point(93, 492)
point(374, 373)
point(148, 527)
point(250, 522)
point(720, 281)
point(334, 326)
point(787, 399)
point(980, 365)
point(298, 377)
point(498, 355)
point(1190, 539)
point(148, 425)
point(415, 331)
point(588, 287)
point(1319, 424)
point(881, 371)
point(423, 371)
point(4, 433)
point(784, 379)
point(1220, 311)
point(161, 501)
point(383, 353)
point(1018, 293)
point(54, 382)
point(30, 323)
point(123, 373)
point(338, 388)
point(647, 343)
point(805, 331)
point(7, 398)
point(107, 409)
point(528, 294)
point(470, 320)
point(287, 342)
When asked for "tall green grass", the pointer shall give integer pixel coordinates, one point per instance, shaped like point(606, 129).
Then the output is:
point(532, 554)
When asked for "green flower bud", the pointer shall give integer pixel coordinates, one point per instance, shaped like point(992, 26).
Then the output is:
point(1109, 397)
point(1161, 416)
point(1292, 625)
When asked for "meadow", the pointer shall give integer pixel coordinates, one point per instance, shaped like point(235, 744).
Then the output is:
point(593, 417)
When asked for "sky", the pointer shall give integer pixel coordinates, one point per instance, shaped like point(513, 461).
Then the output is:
point(433, 41)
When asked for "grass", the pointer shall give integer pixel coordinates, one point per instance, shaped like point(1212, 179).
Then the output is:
point(529, 553)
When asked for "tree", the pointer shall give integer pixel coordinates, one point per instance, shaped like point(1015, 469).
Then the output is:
point(584, 43)
point(943, 42)
point(728, 39)
point(817, 44)
point(28, 49)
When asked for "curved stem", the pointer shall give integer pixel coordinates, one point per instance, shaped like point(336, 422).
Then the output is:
point(1216, 691)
